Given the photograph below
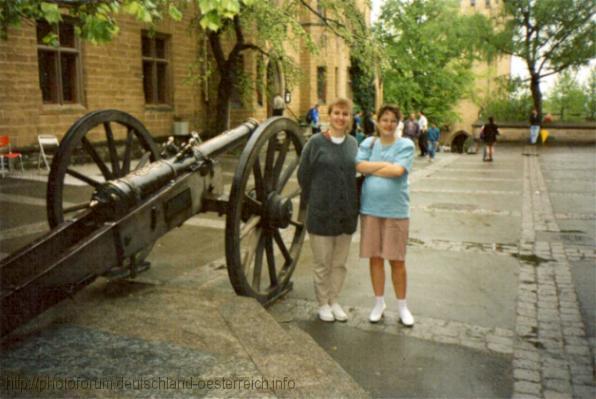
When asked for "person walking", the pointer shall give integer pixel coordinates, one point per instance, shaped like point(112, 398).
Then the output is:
point(534, 126)
point(422, 138)
point(490, 131)
point(312, 118)
point(385, 210)
point(327, 176)
point(433, 141)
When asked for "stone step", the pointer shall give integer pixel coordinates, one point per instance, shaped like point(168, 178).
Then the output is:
point(280, 353)
point(136, 331)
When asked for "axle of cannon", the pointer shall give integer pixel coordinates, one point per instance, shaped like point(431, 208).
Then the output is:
point(134, 207)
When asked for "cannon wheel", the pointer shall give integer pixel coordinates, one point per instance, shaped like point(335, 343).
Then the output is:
point(76, 141)
point(265, 221)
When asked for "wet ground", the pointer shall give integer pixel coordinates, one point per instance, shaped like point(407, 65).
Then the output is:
point(502, 276)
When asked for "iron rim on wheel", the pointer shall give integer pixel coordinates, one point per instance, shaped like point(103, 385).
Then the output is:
point(76, 140)
point(265, 221)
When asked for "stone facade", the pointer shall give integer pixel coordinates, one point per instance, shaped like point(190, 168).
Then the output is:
point(485, 73)
point(111, 76)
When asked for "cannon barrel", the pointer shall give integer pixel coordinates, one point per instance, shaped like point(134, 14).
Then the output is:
point(116, 197)
point(112, 234)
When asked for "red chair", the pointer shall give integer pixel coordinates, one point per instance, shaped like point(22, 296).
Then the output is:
point(7, 156)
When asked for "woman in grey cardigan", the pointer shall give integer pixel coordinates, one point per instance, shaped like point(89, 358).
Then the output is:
point(327, 175)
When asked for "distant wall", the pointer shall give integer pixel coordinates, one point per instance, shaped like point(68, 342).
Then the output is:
point(571, 132)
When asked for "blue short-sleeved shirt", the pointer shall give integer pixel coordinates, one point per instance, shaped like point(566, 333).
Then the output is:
point(386, 197)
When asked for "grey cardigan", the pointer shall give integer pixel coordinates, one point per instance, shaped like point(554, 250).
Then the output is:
point(327, 176)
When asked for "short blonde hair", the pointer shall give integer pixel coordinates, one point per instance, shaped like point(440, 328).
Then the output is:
point(340, 102)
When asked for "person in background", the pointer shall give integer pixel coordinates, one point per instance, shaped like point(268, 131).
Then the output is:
point(327, 176)
point(534, 126)
point(385, 209)
point(368, 124)
point(490, 131)
point(278, 105)
point(433, 141)
point(422, 139)
point(411, 128)
point(312, 117)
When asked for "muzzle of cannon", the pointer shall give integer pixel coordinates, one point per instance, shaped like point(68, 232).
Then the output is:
point(137, 196)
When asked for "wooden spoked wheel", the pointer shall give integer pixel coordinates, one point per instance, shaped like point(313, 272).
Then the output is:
point(79, 146)
point(265, 221)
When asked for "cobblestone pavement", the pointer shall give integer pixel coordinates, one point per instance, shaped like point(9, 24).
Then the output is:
point(551, 353)
point(535, 198)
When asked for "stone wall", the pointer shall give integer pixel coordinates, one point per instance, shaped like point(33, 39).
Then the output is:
point(558, 132)
point(112, 77)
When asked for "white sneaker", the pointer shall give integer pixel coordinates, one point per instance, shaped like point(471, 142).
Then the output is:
point(377, 313)
point(406, 317)
point(338, 312)
point(325, 313)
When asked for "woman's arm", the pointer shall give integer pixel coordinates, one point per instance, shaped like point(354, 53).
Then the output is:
point(369, 168)
point(391, 170)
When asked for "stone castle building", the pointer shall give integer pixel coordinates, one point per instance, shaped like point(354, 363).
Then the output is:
point(486, 75)
point(46, 89)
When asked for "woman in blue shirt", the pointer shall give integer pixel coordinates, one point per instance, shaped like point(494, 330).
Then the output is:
point(385, 209)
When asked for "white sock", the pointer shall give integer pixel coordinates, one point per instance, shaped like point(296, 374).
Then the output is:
point(402, 304)
point(379, 300)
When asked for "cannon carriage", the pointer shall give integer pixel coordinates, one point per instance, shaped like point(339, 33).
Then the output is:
point(135, 200)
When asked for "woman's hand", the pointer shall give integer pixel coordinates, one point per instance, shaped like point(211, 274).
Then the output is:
point(369, 168)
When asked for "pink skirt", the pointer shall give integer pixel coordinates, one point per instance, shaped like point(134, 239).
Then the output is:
point(383, 237)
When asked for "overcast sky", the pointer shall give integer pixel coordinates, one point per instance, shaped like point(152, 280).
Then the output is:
point(518, 66)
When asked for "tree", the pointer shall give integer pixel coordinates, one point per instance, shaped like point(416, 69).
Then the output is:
point(508, 103)
point(590, 90)
point(429, 51)
point(567, 98)
point(233, 28)
point(549, 35)
point(268, 29)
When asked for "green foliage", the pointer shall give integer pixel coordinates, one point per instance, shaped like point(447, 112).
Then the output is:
point(429, 49)
point(97, 19)
point(567, 99)
point(511, 101)
point(363, 89)
point(550, 35)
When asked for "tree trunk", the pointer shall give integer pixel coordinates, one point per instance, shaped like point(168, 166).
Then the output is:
point(536, 93)
point(224, 91)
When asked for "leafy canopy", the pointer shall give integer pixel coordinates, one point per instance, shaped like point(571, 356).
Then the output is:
point(429, 50)
point(549, 35)
point(97, 19)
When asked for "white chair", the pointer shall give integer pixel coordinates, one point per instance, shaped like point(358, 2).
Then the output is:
point(46, 141)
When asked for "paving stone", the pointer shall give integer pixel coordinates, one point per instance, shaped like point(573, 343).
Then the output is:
point(508, 349)
point(527, 375)
point(557, 384)
point(527, 355)
point(527, 387)
point(524, 396)
point(555, 372)
point(577, 350)
point(579, 379)
point(584, 391)
point(556, 395)
point(525, 364)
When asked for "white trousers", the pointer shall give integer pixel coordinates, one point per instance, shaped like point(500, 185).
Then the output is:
point(330, 255)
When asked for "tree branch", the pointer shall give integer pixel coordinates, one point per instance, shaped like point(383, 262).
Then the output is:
point(330, 23)
point(216, 48)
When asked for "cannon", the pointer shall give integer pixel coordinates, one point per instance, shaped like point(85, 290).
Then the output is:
point(137, 199)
